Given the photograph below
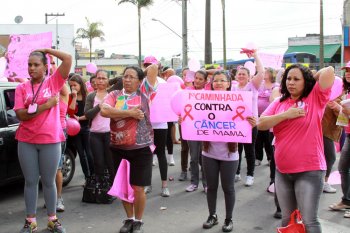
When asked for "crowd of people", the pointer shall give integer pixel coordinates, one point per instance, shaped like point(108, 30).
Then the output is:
point(293, 120)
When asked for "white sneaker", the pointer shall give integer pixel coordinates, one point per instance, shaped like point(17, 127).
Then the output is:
point(237, 177)
point(171, 160)
point(249, 181)
point(155, 160)
point(327, 188)
point(60, 205)
point(191, 188)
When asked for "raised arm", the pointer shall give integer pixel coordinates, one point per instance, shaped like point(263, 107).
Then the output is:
point(325, 77)
point(151, 74)
point(66, 59)
point(258, 78)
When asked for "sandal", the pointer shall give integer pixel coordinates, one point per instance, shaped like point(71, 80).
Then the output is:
point(339, 206)
point(347, 214)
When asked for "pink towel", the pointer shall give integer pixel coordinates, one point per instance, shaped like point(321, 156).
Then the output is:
point(121, 187)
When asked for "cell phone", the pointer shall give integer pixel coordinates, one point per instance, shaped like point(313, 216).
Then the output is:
point(32, 108)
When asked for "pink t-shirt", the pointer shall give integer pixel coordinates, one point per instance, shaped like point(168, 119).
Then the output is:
point(63, 113)
point(99, 124)
point(46, 127)
point(299, 141)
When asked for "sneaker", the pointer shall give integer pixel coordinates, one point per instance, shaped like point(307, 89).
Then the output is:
point(60, 205)
point(165, 192)
point(327, 188)
point(171, 161)
point(277, 214)
point(155, 160)
point(148, 189)
point(257, 162)
point(237, 177)
point(347, 214)
point(137, 227)
point(127, 227)
point(183, 176)
point(192, 188)
point(228, 225)
point(55, 226)
point(29, 227)
point(249, 181)
point(211, 221)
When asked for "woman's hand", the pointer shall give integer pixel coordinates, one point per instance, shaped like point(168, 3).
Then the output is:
point(74, 94)
point(136, 113)
point(334, 106)
point(179, 121)
point(294, 112)
point(346, 111)
point(52, 101)
point(252, 120)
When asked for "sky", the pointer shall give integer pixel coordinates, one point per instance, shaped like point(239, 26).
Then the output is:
point(266, 23)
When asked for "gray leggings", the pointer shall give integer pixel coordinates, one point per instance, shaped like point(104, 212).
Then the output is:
point(300, 190)
point(227, 170)
point(39, 160)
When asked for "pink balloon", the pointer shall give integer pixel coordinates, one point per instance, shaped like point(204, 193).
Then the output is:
point(73, 126)
point(175, 79)
point(91, 67)
point(194, 65)
point(175, 102)
point(250, 66)
point(337, 88)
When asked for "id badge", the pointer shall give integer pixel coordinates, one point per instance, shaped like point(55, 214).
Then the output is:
point(32, 108)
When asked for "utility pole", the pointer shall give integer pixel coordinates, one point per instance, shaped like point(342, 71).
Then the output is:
point(184, 34)
point(224, 32)
point(55, 17)
point(207, 42)
point(321, 36)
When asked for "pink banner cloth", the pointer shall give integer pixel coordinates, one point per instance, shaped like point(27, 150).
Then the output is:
point(121, 187)
point(218, 116)
point(160, 110)
point(19, 49)
point(271, 60)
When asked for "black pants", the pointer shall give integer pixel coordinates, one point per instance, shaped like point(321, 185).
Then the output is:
point(99, 143)
point(263, 141)
point(81, 143)
point(159, 142)
point(169, 140)
point(249, 150)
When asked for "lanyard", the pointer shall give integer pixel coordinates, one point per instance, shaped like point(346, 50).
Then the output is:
point(36, 94)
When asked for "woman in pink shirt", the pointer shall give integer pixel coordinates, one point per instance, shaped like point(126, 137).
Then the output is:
point(296, 122)
point(40, 133)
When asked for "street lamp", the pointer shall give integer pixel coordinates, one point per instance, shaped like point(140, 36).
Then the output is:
point(184, 43)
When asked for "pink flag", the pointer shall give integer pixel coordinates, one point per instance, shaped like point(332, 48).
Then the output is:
point(121, 187)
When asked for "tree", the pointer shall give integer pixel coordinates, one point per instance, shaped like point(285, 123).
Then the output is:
point(91, 32)
point(140, 4)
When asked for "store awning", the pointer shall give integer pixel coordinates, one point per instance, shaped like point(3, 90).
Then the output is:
point(329, 50)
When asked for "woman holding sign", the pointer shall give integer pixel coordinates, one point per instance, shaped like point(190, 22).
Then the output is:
point(40, 133)
point(221, 158)
point(246, 83)
point(296, 122)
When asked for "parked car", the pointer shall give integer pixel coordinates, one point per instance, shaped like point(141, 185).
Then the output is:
point(10, 170)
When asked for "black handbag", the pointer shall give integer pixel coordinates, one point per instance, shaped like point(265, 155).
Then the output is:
point(89, 193)
point(96, 189)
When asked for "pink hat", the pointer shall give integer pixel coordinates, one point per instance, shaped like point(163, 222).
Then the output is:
point(347, 66)
point(150, 60)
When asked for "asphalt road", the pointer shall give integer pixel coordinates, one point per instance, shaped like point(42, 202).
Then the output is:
point(182, 212)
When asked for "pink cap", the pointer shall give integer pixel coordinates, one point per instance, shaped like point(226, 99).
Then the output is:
point(150, 60)
point(347, 66)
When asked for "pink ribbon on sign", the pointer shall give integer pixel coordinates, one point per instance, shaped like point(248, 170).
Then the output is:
point(188, 109)
point(239, 110)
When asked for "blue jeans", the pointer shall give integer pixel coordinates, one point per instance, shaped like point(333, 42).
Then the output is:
point(344, 170)
point(303, 191)
point(196, 160)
